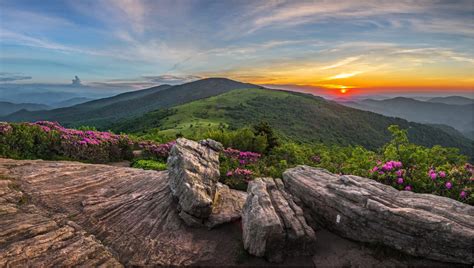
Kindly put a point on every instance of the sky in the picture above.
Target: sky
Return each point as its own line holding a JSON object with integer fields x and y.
{"x": 324, "y": 47}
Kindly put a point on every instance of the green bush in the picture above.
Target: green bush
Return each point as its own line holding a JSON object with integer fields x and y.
{"x": 243, "y": 139}
{"x": 149, "y": 164}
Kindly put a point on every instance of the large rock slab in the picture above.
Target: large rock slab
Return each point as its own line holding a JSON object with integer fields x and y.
{"x": 74, "y": 214}
{"x": 31, "y": 237}
{"x": 364, "y": 210}
{"x": 193, "y": 175}
{"x": 273, "y": 225}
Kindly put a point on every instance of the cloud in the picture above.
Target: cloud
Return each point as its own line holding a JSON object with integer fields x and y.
{"x": 26, "y": 40}
{"x": 11, "y": 77}
{"x": 134, "y": 10}
{"x": 146, "y": 81}
{"x": 343, "y": 75}
{"x": 76, "y": 81}
{"x": 167, "y": 78}
{"x": 340, "y": 63}
{"x": 430, "y": 16}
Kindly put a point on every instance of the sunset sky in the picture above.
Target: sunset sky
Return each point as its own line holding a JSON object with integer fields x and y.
{"x": 363, "y": 47}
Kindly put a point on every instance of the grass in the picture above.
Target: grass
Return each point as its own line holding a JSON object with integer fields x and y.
{"x": 149, "y": 164}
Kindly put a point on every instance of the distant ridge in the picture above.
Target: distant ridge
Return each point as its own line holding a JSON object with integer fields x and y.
{"x": 460, "y": 117}
{"x": 9, "y": 107}
{"x": 71, "y": 102}
{"x": 103, "y": 112}
{"x": 453, "y": 100}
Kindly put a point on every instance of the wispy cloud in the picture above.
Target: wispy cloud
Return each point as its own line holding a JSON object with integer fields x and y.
{"x": 383, "y": 14}
{"x": 340, "y": 63}
{"x": 146, "y": 81}
{"x": 343, "y": 75}
{"x": 11, "y": 77}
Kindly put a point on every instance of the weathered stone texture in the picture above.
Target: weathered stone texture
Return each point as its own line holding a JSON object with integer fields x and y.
{"x": 273, "y": 225}
{"x": 193, "y": 175}
{"x": 364, "y": 210}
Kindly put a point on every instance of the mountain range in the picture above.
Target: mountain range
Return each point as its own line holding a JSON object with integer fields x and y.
{"x": 453, "y": 100}
{"x": 213, "y": 102}
{"x": 296, "y": 116}
{"x": 457, "y": 112}
{"x": 8, "y": 107}
{"x": 102, "y": 112}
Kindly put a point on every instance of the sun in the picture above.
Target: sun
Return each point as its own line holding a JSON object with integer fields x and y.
{"x": 343, "y": 90}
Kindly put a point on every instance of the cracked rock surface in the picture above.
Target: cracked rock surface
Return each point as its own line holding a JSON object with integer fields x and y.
{"x": 364, "y": 210}
{"x": 194, "y": 173}
{"x": 84, "y": 214}
{"x": 273, "y": 225}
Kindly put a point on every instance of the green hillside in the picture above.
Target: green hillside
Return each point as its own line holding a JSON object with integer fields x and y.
{"x": 296, "y": 116}
{"x": 101, "y": 113}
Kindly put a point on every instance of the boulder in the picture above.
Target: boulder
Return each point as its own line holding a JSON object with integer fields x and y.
{"x": 227, "y": 206}
{"x": 193, "y": 175}
{"x": 214, "y": 145}
{"x": 273, "y": 225}
{"x": 364, "y": 210}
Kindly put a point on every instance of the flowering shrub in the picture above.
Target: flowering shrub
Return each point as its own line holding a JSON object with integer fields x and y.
{"x": 154, "y": 150}
{"x": 50, "y": 140}
{"x": 391, "y": 173}
{"x": 454, "y": 182}
{"x": 5, "y": 128}
{"x": 244, "y": 158}
{"x": 238, "y": 167}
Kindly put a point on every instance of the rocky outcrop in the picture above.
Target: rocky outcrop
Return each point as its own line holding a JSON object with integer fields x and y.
{"x": 193, "y": 175}
{"x": 364, "y": 210}
{"x": 68, "y": 214}
{"x": 73, "y": 214}
{"x": 227, "y": 206}
{"x": 273, "y": 225}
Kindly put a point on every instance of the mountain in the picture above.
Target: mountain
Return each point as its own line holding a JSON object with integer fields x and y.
{"x": 295, "y": 116}
{"x": 460, "y": 117}
{"x": 8, "y": 107}
{"x": 453, "y": 100}
{"x": 71, "y": 102}
{"x": 103, "y": 112}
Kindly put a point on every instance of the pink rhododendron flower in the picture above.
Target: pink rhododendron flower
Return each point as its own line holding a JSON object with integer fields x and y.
{"x": 408, "y": 188}
{"x": 442, "y": 174}
{"x": 400, "y": 180}
{"x": 463, "y": 194}
{"x": 433, "y": 175}
{"x": 5, "y": 128}
{"x": 399, "y": 172}
{"x": 449, "y": 185}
